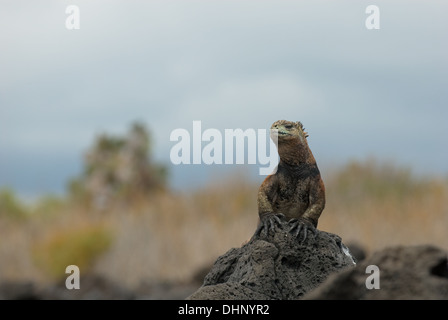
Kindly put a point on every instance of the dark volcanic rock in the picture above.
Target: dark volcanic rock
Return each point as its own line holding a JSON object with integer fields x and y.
{"x": 277, "y": 266}
{"x": 405, "y": 272}
{"x": 165, "y": 290}
{"x": 21, "y": 290}
{"x": 93, "y": 287}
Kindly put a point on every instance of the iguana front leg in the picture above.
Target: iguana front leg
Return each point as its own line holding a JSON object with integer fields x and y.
{"x": 267, "y": 195}
{"x": 308, "y": 221}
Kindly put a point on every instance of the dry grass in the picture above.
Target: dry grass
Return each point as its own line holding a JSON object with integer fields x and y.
{"x": 379, "y": 205}
{"x": 170, "y": 235}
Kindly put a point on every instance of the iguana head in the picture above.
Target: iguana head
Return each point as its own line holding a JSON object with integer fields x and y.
{"x": 284, "y": 130}
{"x": 290, "y": 138}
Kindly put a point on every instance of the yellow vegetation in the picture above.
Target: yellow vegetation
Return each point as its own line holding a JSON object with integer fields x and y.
{"x": 79, "y": 246}
{"x": 169, "y": 235}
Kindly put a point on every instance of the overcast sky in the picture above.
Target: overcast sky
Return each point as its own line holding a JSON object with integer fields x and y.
{"x": 230, "y": 64}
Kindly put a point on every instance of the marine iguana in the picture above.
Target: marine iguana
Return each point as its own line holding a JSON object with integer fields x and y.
{"x": 295, "y": 192}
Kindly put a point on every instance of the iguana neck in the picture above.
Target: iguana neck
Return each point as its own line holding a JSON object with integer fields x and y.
{"x": 295, "y": 152}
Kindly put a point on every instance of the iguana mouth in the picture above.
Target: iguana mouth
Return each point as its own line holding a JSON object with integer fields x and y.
{"x": 280, "y": 133}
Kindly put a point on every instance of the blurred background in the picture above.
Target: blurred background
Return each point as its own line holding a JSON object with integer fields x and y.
{"x": 86, "y": 117}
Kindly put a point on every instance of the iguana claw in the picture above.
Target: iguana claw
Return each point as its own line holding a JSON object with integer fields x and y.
{"x": 301, "y": 226}
{"x": 268, "y": 223}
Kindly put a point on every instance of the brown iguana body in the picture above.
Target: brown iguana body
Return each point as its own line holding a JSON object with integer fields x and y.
{"x": 296, "y": 191}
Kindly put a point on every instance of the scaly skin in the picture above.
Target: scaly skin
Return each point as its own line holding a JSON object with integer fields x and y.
{"x": 296, "y": 191}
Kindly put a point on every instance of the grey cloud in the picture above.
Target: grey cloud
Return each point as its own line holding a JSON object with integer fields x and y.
{"x": 230, "y": 64}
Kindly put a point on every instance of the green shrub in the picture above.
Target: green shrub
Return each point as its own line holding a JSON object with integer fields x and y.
{"x": 118, "y": 168}
{"x": 10, "y": 206}
{"x": 79, "y": 246}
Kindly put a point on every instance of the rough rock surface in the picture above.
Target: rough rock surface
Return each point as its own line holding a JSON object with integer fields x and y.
{"x": 93, "y": 287}
{"x": 405, "y": 272}
{"x": 276, "y": 266}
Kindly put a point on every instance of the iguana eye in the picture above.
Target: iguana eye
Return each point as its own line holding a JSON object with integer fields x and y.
{"x": 288, "y": 126}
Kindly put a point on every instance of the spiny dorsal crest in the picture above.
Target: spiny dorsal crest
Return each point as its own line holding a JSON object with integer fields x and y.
{"x": 300, "y": 125}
